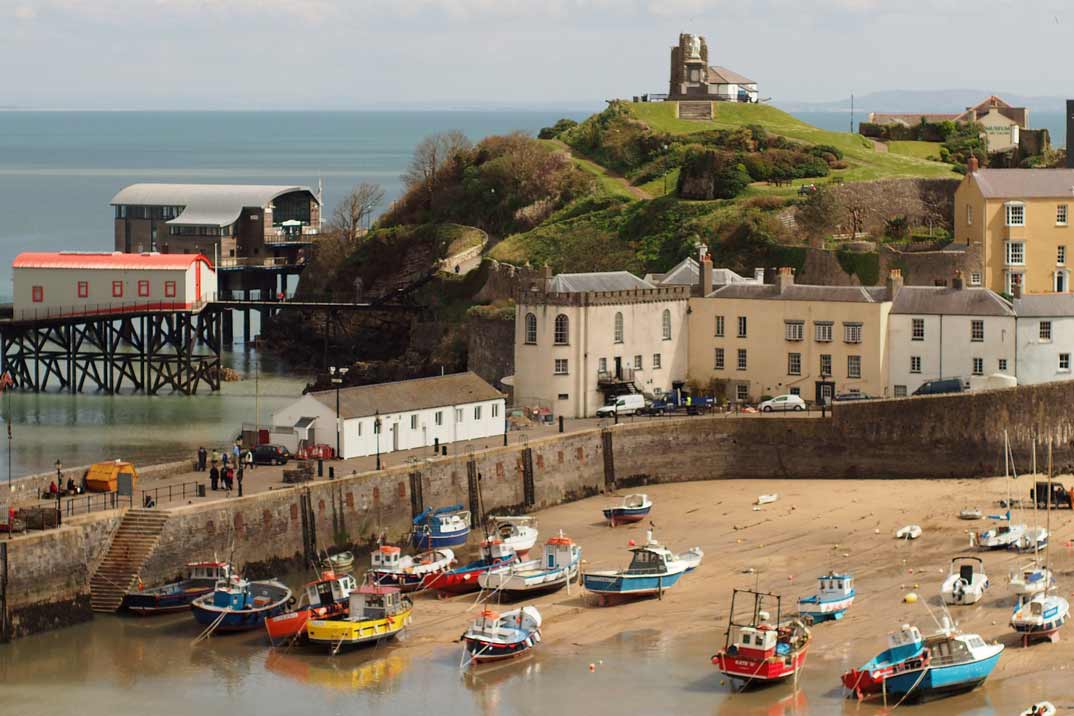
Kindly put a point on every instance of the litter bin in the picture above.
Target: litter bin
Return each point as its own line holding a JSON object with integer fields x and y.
{"x": 201, "y": 489}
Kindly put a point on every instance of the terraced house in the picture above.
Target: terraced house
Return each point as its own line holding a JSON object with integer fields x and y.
{"x": 1021, "y": 219}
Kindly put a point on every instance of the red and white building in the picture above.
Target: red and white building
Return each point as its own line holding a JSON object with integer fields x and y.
{"x": 58, "y": 285}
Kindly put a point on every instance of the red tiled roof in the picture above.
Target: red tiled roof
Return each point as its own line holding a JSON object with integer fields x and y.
{"x": 109, "y": 260}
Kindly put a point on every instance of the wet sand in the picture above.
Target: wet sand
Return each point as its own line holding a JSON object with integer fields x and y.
{"x": 816, "y": 525}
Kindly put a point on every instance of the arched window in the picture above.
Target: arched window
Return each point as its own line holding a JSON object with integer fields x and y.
{"x": 562, "y": 332}
{"x": 531, "y": 328}
{"x": 618, "y": 327}
{"x": 667, "y": 324}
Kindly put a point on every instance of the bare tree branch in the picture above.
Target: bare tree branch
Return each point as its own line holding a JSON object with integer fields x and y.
{"x": 357, "y": 206}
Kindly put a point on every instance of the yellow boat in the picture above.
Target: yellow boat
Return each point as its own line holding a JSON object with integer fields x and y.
{"x": 376, "y": 613}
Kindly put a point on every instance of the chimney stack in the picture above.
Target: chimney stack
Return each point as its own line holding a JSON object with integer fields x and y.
{"x": 705, "y": 275}
{"x": 784, "y": 278}
{"x": 1016, "y": 289}
{"x": 972, "y": 165}
{"x": 956, "y": 282}
{"x": 894, "y": 283}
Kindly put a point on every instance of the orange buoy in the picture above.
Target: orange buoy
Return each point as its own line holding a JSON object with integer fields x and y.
{"x": 631, "y": 543}
{"x": 592, "y": 667}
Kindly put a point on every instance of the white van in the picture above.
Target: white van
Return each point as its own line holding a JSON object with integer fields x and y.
{"x": 624, "y": 405}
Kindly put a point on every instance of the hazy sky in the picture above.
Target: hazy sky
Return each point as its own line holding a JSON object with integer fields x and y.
{"x": 207, "y": 54}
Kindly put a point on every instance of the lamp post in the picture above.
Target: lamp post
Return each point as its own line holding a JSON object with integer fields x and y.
{"x": 337, "y": 380}
{"x": 824, "y": 376}
{"x": 376, "y": 431}
{"x": 59, "y": 474}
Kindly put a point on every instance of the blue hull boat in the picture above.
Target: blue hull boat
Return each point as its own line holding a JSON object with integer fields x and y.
{"x": 634, "y": 508}
{"x": 834, "y": 596}
{"x": 238, "y": 605}
{"x": 443, "y": 527}
{"x": 652, "y": 569}
{"x": 177, "y": 596}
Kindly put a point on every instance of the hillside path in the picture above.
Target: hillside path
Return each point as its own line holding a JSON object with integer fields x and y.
{"x": 636, "y": 192}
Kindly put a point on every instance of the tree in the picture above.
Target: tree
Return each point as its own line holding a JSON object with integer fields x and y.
{"x": 356, "y": 207}
{"x": 430, "y": 156}
{"x": 819, "y": 214}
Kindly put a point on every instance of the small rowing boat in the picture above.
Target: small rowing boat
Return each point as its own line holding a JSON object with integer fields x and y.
{"x": 633, "y": 508}
{"x": 496, "y": 637}
{"x": 908, "y": 532}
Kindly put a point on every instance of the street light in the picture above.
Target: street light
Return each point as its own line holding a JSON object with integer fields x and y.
{"x": 376, "y": 431}
{"x": 337, "y": 379}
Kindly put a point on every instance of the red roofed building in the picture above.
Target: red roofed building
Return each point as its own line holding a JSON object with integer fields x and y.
{"x": 70, "y": 284}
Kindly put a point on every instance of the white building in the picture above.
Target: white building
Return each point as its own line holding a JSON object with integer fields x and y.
{"x": 411, "y": 413}
{"x": 1045, "y": 337}
{"x": 939, "y": 332}
{"x": 688, "y": 273}
{"x": 84, "y": 284}
{"x": 581, "y": 339}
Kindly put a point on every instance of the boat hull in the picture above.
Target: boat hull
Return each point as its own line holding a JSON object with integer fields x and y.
{"x": 436, "y": 540}
{"x": 626, "y": 515}
{"x": 518, "y": 584}
{"x": 168, "y": 599}
{"x": 339, "y": 633}
{"x": 940, "y": 681}
{"x": 291, "y": 624}
{"x": 406, "y": 582}
{"x": 629, "y": 585}
{"x": 757, "y": 672}
{"x": 227, "y": 619}
{"x": 821, "y": 610}
{"x": 461, "y": 580}
{"x": 483, "y": 652}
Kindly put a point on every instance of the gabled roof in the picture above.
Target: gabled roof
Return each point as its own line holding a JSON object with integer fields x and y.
{"x": 1044, "y": 305}
{"x": 407, "y": 395}
{"x": 688, "y": 273}
{"x": 205, "y": 204}
{"x": 1025, "y": 183}
{"x": 599, "y": 281}
{"x": 106, "y": 260}
{"x": 803, "y": 292}
{"x": 941, "y": 300}
{"x": 722, "y": 75}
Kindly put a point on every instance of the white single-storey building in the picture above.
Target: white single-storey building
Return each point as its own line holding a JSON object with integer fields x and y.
{"x": 1045, "y": 337}
{"x": 411, "y": 414}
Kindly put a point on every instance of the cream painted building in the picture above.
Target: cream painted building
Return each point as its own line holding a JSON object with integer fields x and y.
{"x": 581, "y": 339}
{"x": 788, "y": 338}
{"x": 935, "y": 332}
{"x": 1021, "y": 217}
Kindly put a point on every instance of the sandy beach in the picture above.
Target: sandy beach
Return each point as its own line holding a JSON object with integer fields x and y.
{"x": 816, "y": 525}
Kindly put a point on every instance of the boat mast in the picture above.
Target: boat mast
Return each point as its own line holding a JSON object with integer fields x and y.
{"x": 1036, "y": 520}
{"x": 1048, "y": 506}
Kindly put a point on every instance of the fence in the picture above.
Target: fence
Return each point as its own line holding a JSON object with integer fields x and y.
{"x": 167, "y": 493}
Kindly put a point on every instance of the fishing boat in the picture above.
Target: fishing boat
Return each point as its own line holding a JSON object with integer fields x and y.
{"x": 517, "y": 532}
{"x": 200, "y": 579}
{"x": 324, "y": 598}
{"x": 442, "y": 527}
{"x": 496, "y": 637}
{"x": 914, "y": 668}
{"x": 390, "y": 567}
{"x": 633, "y": 508}
{"x": 560, "y": 563}
{"x": 375, "y": 613}
{"x": 463, "y": 579}
{"x": 966, "y": 581}
{"x": 908, "y": 532}
{"x": 760, "y": 651}
{"x": 1031, "y": 579}
{"x": 236, "y": 604}
{"x": 653, "y": 568}
{"x": 835, "y": 594}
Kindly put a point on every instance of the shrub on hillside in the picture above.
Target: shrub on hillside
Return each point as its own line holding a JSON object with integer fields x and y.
{"x": 556, "y": 129}
{"x": 765, "y": 203}
{"x": 711, "y": 174}
{"x": 823, "y": 149}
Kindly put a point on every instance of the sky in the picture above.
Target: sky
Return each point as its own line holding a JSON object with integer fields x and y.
{"x": 353, "y": 54}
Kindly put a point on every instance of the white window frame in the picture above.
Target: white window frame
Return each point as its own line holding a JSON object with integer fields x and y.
{"x": 438, "y": 418}
{"x": 1066, "y": 280}
{"x": 915, "y": 364}
{"x": 530, "y": 329}
{"x": 852, "y": 332}
{"x": 1009, "y": 281}
{"x": 826, "y": 364}
{"x": 414, "y": 421}
{"x": 477, "y": 412}
{"x": 665, "y": 321}
{"x": 1061, "y": 255}
{"x": 495, "y": 410}
{"x": 1044, "y": 332}
{"x": 854, "y": 367}
{"x": 1001, "y": 366}
{"x": 560, "y": 367}
{"x": 977, "y": 366}
{"x": 742, "y": 392}
{"x": 1012, "y": 256}
{"x": 618, "y": 337}
{"x": 743, "y": 326}
{"x": 976, "y": 331}
{"x": 969, "y": 214}
{"x": 975, "y": 278}
{"x": 822, "y": 331}
{"x": 719, "y": 326}
{"x": 637, "y": 362}
{"x": 915, "y": 324}
{"x": 458, "y": 415}
{"x": 561, "y": 330}
{"x": 602, "y": 365}
{"x": 718, "y": 359}
{"x": 1061, "y": 214}
{"x": 656, "y": 361}
{"x": 794, "y": 364}
{"x": 742, "y": 359}
{"x": 1064, "y": 362}
{"x": 794, "y": 330}
{"x": 1014, "y": 213}
{"x": 900, "y": 391}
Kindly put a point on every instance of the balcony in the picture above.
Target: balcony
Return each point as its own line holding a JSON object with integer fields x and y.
{"x": 624, "y": 374}
{"x": 291, "y": 235}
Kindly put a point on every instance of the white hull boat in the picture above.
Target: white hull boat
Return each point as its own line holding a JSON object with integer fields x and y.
{"x": 1001, "y": 537}
{"x": 691, "y": 557}
{"x": 908, "y": 532}
{"x": 1041, "y": 617}
{"x": 1031, "y": 579}
{"x": 561, "y": 561}
{"x": 518, "y": 533}
{"x": 966, "y": 581}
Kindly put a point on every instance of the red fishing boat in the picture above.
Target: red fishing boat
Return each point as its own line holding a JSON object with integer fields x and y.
{"x": 461, "y": 580}
{"x": 758, "y": 650}
{"x": 325, "y": 598}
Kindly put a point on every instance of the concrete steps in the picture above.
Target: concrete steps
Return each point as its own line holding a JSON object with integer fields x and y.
{"x": 132, "y": 543}
{"x": 695, "y": 110}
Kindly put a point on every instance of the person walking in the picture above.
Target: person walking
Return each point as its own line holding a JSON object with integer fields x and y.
{"x": 240, "y": 476}
{"x": 248, "y": 458}
{"x": 203, "y": 456}
{"x": 236, "y": 453}
{"x": 229, "y": 478}
{"x": 214, "y": 476}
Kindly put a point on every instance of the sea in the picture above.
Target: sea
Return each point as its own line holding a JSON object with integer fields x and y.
{"x": 59, "y": 171}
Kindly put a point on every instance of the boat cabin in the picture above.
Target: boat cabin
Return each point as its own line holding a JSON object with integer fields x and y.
{"x": 373, "y": 601}
{"x": 494, "y": 550}
{"x": 648, "y": 561}
{"x": 213, "y": 571}
{"x": 330, "y": 589}
{"x": 387, "y": 558}
{"x": 833, "y": 586}
{"x": 558, "y": 552}
{"x": 904, "y": 643}
{"x": 233, "y": 593}
{"x": 944, "y": 649}
{"x": 754, "y": 642}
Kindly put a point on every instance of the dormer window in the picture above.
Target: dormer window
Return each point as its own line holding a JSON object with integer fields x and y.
{"x": 1016, "y": 213}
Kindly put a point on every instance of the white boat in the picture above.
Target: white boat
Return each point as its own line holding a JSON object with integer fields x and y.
{"x": 1031, "y": 579}
{"x": 497, "y": 637}
{"x": 1001, "y": 536}
{"x": 1033, "y": 539}
{"x": 970, "y": 513}
{"x": 1044, "y": 708}
{"x": 390, "y": 567}
{"x": 767, "y": 499}
{"x": 966, "y": 581}
{"x": 560, "y": 563}
{"x": 517, "y": 532}
{"x": 691, "y": 558}
{"x": 908, "y": 532}
{"x": 1041, "y": 617}
{"x": 835, "y": 594}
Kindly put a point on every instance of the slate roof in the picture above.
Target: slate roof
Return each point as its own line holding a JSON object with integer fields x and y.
{"x": 599, "y": 281}
{"x": 722, "y": 75}
{"x": 796, "y": 292}
{"x": 688, "y": 273}
{"x": 407, "y": 395}
{"x": 1044, "y": 305}
{"x": 1025, "y": 183}
{"x": 941, "y": 300}
{"x": 204, "y": 204}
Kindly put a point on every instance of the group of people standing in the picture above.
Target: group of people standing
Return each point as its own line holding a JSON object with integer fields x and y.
{"x": 226, "y": 467}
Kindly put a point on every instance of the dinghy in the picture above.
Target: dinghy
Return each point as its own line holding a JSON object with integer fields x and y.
{"x": 757, "y": 650}
{"x": 834, "y": 596}
{"x": 390, "y": 567}
{"x": 970, "y": 513}
{"x": 374, "y": 614}
{"x": 966, "y": 581}
{"x": 766, "y": 499}
{"x": 496, "y": 637}
{"x": 201, "y": 578}
{"x": 325, "y": 598}
{"x": 238, "y": 605}
{"x": 519, "y": 533}
{"x": 340, "y": 562}
{"x": 1044, "y": 708}
{"x": 559, "y": 565}
{"x": 908, "y": 532}
{"x": 633, "y": 508}
{"x": 691, "y": 558}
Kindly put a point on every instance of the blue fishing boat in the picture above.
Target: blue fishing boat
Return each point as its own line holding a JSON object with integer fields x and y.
{"x": 201, "y": 578}
{"x": 653, "y": 569}
{"x": 834, "y": 596}
{"x": 918, "y": 669}
{"x": 442, "y": 527}
{"x": 633, "y": 508}
{"x": 238, "y": 605}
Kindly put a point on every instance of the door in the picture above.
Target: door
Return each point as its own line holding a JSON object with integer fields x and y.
{"x": 825, "y": 390}
{"x": 1060, "y": 281}
{"x": 197, "y": 281}
{"x": 395, "y": 436}
{"x": 618, "y": 368}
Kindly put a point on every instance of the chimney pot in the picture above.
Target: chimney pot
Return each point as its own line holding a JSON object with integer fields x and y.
{"x": 972, "y": 165}
{"x": 784, "y": 278}
{"x": 895, "y": 283}
{"x": 705, "y": 274}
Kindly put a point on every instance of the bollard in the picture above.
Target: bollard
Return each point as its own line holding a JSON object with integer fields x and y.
{"x": 443, "y": 450}
{"x": 331, "y": 472}
{"x": 320, "y": 467}
{"x": 436, "y": 446}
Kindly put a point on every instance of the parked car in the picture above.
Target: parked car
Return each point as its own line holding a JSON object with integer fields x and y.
{"x": 1061, "y": 496}
{"x": 847, "y": 397}
{"x": 623, "y": 405}
{"x": 938, "y": 387}
{"x": 271, "y": 455}
{"x": 783, "y": 402}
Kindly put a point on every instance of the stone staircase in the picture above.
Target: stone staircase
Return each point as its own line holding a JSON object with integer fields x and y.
{"x": 695, "y": 110}
{"x": 131, "y": 546}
